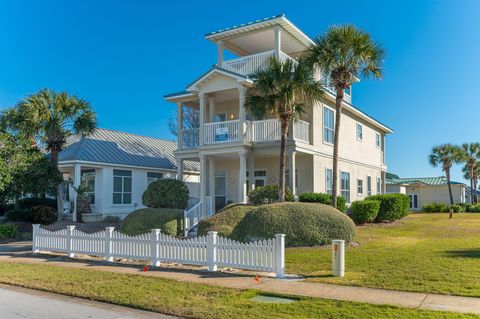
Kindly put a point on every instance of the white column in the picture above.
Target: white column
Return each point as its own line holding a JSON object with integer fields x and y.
{"x": 179, "y": 125}
{"x": 154, "y": 249}
{"x": 202, "y": 119}
{"x": 242, "y": 178}
{"x": 212, "y": 239}
{"x": 241, "y": 110}
{"x": 203, "y": 182}
{"x": 211, "y": 108}
{"x": 278, "y": 41}
{"x": 70, "y": 251}
{"x": 291, "y": 168}
{"x": 211, "y": 178}
{"x": 180, "y": 169}
{"x": 280, "y": 255}
{"x": 77, "y": 179}
{"x": 36, "y": 229}
{"x": 219, "y": 53}
{"x": 109, "y": 243}
{"x": 251, "y": 172}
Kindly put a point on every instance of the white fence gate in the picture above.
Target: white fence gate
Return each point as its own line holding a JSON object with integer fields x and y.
{"x": 211, "y": 250}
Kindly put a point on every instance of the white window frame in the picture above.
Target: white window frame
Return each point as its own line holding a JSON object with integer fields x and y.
{"x": 85, "y": 175}
{"x": 123, "y": 192}
{"x": 378, "y": 140}
{"x": 359, "y": 187}
{"x": 257, "y": 177}
{"x": 369, "y": 185}
{"x": 344, "y": 190}
{"x": 359, "y": 133}
{"x": 324, "y": 127}
{"x": 379, "y": 185}
{"x": 328, "y": 188}
{"x": 154, "y": 179}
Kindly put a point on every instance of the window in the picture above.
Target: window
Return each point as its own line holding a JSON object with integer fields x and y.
{"x": 220, "y": 189}
{"x": 345, "y": 186}
{"x": 360, "y": 186}
{"x": 369, "y": 185}
{"x": 359, "y": 131}
{"x": 88, "y": 181}
{"x": 287, "y": 178}
{"x": 328, "y": 180}
{"x": 153, "y": 177}
{"x": 220, "y": 117}
{"x": 328, "y": 124}
{"x": 378, "y": 142}
{"x": 413, "y": 201}
{"x": 259, "y": 179}
{"x": 379, "y": 185}
{"x": 122, "y": 187}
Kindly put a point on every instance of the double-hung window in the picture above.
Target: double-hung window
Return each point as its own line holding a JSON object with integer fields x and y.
{"x": 328, "y": 180}
{"x": 345, "y": 186}
{"x": 379, "y": 185}
{"x": 369, "y": 185}
{"x": 360, "y": 187}
{"x": 328, "y": 125}
{"x": 153, "y": 177}
{"x": 359, "y": 131}
{"x": 122, "y": 187}
{"x": 378, "y": 141}
{"x": 88, "y": 182}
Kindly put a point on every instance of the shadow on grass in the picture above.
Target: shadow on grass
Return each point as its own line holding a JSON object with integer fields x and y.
{"x": 467, "y": 253}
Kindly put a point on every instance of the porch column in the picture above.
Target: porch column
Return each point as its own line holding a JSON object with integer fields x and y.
{"x": 291, "y": 169}
{"x": 211, "y": 178}
{"x": 203, "y": 182}
{"x": 211, "y": 108}
{"x": 241, "y": 111}
{"x": 278, "y": 41}
{"x": 180, "y": 169}
{"x": 220, "y": 53}
{"x": 202, "y": 119}
{"x": 242, "y": 179}
{"x": 179, "y": 125}
{"x": 251, "y": 172}
{"x": 77, "y": 179}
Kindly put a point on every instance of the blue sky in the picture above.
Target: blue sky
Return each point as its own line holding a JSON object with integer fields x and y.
{"x": 123, "y": 56}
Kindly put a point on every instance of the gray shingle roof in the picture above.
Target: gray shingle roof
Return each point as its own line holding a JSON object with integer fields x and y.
{"x": 114, "y": 147}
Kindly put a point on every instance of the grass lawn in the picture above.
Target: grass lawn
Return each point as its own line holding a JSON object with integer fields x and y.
{"x": 422, "y": 252}
{"x": 190, "y": 300}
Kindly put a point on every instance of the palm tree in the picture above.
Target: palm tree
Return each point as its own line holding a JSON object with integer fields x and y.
{"x": 283, "y": 89}
{"x": 50, "y": 117}
{"x": 445, "y": 156}
{"x": 344, "y": 54}
{"x": 470, "y": 155}
{"x": 473, "y": 176}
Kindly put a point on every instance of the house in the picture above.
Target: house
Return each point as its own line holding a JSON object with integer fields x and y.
{"x": 116, "y": 168}
{"x": 237, "y": 152}
{"x": 428, "y": 190}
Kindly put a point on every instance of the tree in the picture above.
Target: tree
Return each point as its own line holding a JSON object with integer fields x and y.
{"x": 191, "y": 120}
{"x": 470, "y": 155}
{"x": 445, "y": 156}
{"x": 50, "y": 117}
{"x": 284, "y": 90}
{"x": 474, "y": 176}
{"x": 343, "y": 55}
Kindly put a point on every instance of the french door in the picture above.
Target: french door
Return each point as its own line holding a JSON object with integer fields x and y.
{"x": 413, "y": 201}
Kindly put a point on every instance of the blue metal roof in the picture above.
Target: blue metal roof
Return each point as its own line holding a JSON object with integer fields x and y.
{"x": 245, "y": 24}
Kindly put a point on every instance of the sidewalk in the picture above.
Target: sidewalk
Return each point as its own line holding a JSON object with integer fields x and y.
{"x": 20, "y": 253}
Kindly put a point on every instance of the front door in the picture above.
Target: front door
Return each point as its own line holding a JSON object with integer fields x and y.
{"x": 413, "y": 201}
{"x": 220, "y": 189}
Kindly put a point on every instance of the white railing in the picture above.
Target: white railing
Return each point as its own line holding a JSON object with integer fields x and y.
{"x": 193, "y": 215}
{"x": 301, "y": 130}
{"x": 270, "y": 130}
{"x": 190, "y": 138}
{"x": 330, "y": 88}
{"x": 211, "y": 250}
{"x": 250, "y": 64}
{"x": 222, "y": 132}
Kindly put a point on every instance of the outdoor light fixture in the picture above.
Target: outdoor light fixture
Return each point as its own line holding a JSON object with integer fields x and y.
{"x": 232, "y": 116}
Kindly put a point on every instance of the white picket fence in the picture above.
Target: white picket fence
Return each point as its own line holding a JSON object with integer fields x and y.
{"x": 212, "y": 250}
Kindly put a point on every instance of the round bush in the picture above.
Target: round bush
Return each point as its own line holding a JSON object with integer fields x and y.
{"x": 42, "y": 214}
{"x": 392, "y": 206}
{"x": 166, "y": 193}
{"x": 268, "y": 194}
{"x": 364, "y": 211}
{"x": 224, "y": 221}
{"x": 169, "y": 221}
{"x": 304, "y": 224}
{"x": 323, "y": 199}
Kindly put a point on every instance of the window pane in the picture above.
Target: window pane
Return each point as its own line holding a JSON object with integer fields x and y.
{"x": 117, "y": 184}
{"x": 117, "y": 198}
{"x": 127, "y": 185}
{"x": 118, "y": 172}
{"x": 154, "y": 175}
{"x": 127, "y": 198}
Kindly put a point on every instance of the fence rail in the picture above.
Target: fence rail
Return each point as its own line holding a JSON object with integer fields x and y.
{"x": 211, "y": 250}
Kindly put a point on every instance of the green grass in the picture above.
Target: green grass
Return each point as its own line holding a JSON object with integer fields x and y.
{"x": 422, "y": 252}
{"x": 188, "y": 299}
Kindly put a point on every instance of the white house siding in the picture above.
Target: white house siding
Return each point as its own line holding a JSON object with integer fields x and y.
{"x": 428, "y": 194}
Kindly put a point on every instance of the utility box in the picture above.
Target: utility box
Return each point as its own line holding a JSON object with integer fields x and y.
{"x": 338, "y": 258}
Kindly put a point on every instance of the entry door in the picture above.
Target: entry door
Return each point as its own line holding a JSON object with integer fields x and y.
{"x": 220, "y": 189}
{"x": 413, "y": 201}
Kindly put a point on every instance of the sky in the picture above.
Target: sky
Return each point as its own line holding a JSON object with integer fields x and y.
{"x": 124, "y": 56}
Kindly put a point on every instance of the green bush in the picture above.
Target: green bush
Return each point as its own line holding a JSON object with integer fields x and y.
{"x": 323, "y": 199}
{"x": 43, "y": 215}
{"x": 169, "y": 221}
{"x": 225, "y": 220}
{"x": 475, "y": 208}
{"x": 18, "y": 215}
{"x": 456, "y": 208}
{"x": 8, "y": 231}
{"x": 435, "y": 208}
{"x": 392, "y": 206}
{"x": 30, "y": 202}
{"x": 467, "y": 206}
{"x": 268, "y": 194}
{"x": 166, "y": 193}
{"x": 304, "y": 224}
{"x": 365, "y": 211}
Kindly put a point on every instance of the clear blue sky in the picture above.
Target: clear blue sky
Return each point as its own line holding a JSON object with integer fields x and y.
{"x": 123, "y": 56}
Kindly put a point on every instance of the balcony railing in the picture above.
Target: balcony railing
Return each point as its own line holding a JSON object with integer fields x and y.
{"x": 250, "y": 64}
{"x": 221, "y": 132}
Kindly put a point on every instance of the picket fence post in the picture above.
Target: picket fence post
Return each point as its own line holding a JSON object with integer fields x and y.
{"x": 280, "y": 255}
{"x": 70, "y": 251}
{"x": 154, "y": 244}
{"x": 212, "y": 240}
{"x": 109, "y": 243}
{"x": 36, "y": 228}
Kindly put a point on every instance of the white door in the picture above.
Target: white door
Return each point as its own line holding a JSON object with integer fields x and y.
{"x": 413, "y": 201}
{"x": 220, "y": 189}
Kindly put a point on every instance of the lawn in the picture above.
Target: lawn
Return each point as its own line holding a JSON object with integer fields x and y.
{"x": 422, "y": 252}
{"x": 188, "y": 299}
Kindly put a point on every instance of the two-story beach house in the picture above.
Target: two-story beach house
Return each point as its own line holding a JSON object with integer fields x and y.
{"x": 237, "y": 152}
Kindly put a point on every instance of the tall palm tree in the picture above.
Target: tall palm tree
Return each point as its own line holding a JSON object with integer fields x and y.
{"x": 50, "y": 117}
{"x": 470, "y": 155}
{"x": 344, "y": 54}
{"x": 283, "y": 89}
{"x": 445, "y": 156}
{"x": 474, "y": 176}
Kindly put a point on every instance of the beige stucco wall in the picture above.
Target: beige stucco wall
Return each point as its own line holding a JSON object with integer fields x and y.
{"x": 437, "y": 194}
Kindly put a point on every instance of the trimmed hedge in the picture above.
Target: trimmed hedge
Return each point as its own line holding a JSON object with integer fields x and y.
{"x": 43, "y": 215}
{"x": 224, "y": 221}
{"x": 166, "y": 193}
{"x": 392, "y": 206}
{"x": 268, "y": 194}
{"x": 475, "y": 208}
{"x": 169, "y": 221}
{"x": 435, "y": 208}
{"x": 322, "y": 198}
{"x": 304, "y": 224}
{"x": 365, "y": 211}
{"x": 456, "y": 208}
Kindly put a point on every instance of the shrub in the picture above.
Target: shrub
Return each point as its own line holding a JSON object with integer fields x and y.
{"x": 365, "y": 211}
{"x": 30, "y": 202}
{"x": 225, "y": 220}
{"x": 5, "y": 207}
{"x": 392, "y": 206}
{"x": 43, "y": 215}
{"x": 18, "y": 215}
{"x": 169, "y": 221}
{"x": 456, "y": 208}
{"x": 268, "y": 194}
{"x": 467, "y": 206}
{"x": 166, "y": 193}
{"x": 323, "y": 199}
{"x": 304, "y": 224}
{"x": 475, "y": 208}
{"x": 435, "y": 208}
{"x": 8, "y": 231}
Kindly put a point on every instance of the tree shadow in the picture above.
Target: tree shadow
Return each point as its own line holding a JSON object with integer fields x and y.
{"x": 467, "y": 253}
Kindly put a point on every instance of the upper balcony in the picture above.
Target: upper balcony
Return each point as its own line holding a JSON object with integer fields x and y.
{"x": 250, "y": 64}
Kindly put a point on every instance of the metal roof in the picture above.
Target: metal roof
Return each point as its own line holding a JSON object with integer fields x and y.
{"x": 245, "y": 24}
{"x": 114, "y": 147}
{"x": 441, "y": 180}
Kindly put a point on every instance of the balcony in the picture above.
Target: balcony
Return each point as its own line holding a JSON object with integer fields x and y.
{"x": 250, "y": 64}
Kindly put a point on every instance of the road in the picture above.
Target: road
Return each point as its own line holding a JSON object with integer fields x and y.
{"x": 20, "y": 303}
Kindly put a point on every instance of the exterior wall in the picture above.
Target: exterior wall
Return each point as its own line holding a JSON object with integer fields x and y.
{"x": 396, "y": 189}
{"x": 437, "y": 194}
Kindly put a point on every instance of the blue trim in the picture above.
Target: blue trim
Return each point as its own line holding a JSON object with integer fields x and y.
{"x": 245, "y": 24}
{"x": 176, "y": 94}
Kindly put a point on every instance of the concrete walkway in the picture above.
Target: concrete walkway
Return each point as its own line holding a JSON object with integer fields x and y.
{"x": 20, "y": 253}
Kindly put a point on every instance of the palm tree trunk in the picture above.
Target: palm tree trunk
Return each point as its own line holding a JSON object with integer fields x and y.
{"x": 336, "y": 138}
{"x": 447, "y": 172}
{"x": 472, "y": 189}
{"x": 283, "y": 142}
{"x": 54, "y": 160}
{"x": 475, "y": 185}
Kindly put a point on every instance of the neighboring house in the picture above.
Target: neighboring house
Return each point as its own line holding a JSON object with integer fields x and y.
{"x": 237, "y": 152}
{"x": 428, "y": 190}
{"x": 116, "y": 168}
